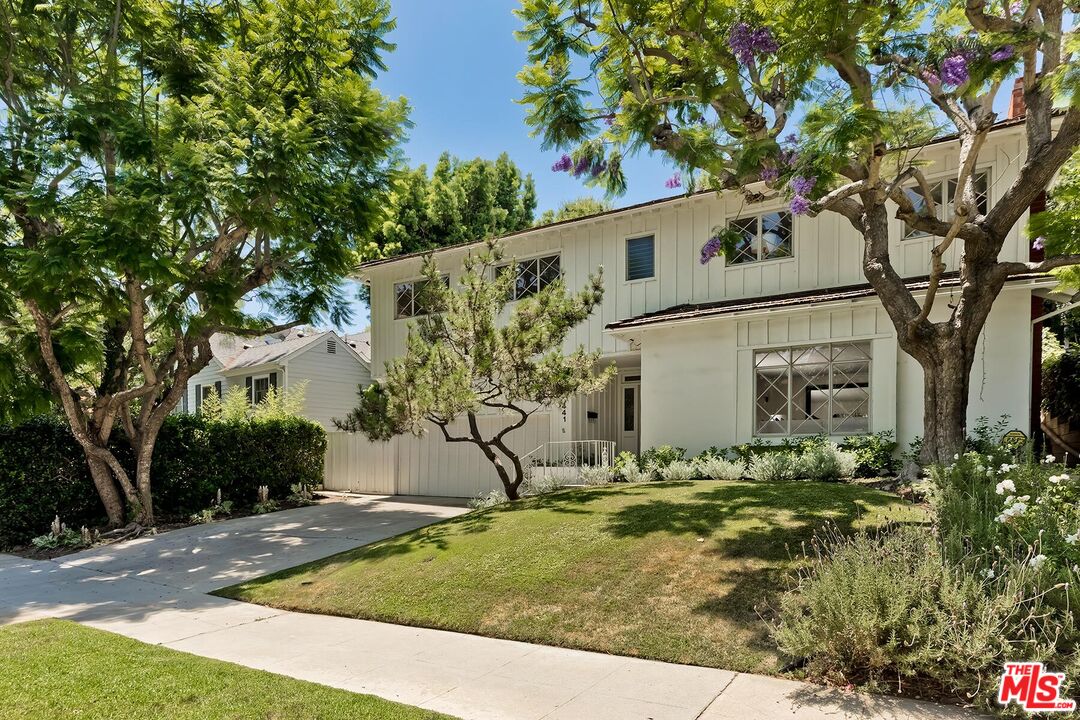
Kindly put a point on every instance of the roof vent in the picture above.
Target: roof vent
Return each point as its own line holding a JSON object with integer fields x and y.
{"x": 299, "y": 333}
{"x": 331, "y": 346}
{"x": 246, "y": 346}
{"x": 352, "y": 344}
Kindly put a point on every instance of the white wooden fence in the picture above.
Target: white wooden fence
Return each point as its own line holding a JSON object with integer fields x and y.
{"x": 428, "y": 465}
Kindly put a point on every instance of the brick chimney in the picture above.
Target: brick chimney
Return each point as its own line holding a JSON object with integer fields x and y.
{"x": 1016, "y": 105}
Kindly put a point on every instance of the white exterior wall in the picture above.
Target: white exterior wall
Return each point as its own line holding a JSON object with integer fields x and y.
{"x": 827, "y": 254}
{"x": 699, "y": 376}
{"x": 332, "y": 380}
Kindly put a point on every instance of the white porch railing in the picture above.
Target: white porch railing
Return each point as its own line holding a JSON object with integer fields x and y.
{"x": 563, "y": 459}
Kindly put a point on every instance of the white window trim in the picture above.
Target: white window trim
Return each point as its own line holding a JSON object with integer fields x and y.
{"x": 655, "y": 251}
{"x": 251, "y": 390}
{"x": 411, "y": 281}
{"x": 868, "y": 340}
{"x": 944, "y": 178}
{"x": 763, "y": 260}
{"x": 543, "y": 255}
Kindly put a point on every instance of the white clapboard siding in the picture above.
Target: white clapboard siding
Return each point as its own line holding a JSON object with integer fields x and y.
{"x": 427, "y": 465}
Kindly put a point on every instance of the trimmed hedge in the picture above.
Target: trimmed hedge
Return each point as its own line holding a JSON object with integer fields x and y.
{"x": 43, "y": 472}
{"x": 1061, "y": 387}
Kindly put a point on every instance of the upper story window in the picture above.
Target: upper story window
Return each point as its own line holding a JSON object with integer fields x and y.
{"x": 411, "y": 299}
{"x": 943, "y": 191}
{"x": 533, "y": 275}
{"x": 641, "y": 257}
{"x": 762, "y": 237}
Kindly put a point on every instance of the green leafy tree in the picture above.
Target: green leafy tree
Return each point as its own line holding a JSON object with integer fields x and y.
{"x": 462, "y": 201}
{"x": 462, "y": 360}
{"x": 161, "y": 163}
{"x": 573, "y": 209}
{"x": 715, "y": 86}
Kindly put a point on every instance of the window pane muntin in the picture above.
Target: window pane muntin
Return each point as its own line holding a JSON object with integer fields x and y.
{"x": 641, "y": 257}
{"x": 776, "y": 235}
{"x": 812, "y": 390}
{"x": 943, "y": 193}
{"x": 746, "y": 249}
{"x": 409, "y": 298}
{"x": 533, "y": 275}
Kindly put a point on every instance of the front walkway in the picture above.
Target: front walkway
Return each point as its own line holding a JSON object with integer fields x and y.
{"x": 152, "y": 589}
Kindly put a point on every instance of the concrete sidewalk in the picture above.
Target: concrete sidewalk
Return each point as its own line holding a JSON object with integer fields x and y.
{"x": 153, "y": 590}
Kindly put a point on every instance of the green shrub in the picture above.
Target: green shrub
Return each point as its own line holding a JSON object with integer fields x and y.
{"x": 719, "y": 468}
{"x": 680, "y": 470}
{"x": 875, "y": 454}
{"x": 824, "y": 463}
{"x": 889, "y": 610}
{"x": 773, "y": 467}
{"x": 596, "y": 475}
{"x": 43, "y": 474}
{"x": 43, "y": 471}
{"x": 654, "y": 459}
{"x": 1061, "y": 386}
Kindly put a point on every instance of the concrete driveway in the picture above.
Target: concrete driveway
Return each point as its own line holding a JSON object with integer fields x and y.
{"x": 153, "y": 589}
{"x": 209, "y": 557}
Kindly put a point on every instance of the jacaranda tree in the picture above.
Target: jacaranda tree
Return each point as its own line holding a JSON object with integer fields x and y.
{"x": 719, "y": 86}
{"x": 166, "y": 166}
{"x": 468, "y": 356}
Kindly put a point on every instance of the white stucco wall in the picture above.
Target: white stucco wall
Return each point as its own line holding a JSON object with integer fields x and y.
{"x": 698, "y": 378}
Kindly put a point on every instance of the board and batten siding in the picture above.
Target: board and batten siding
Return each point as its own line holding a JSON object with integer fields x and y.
{"x": 426, "y": 465}
{"x": 827, "y": 254}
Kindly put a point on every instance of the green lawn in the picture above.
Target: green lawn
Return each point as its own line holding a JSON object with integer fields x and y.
{"x": 55, "y": 669}
{"x": 673, "y": 571}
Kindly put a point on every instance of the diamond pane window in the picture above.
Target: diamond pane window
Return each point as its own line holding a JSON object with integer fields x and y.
{"x": 533, "y": 275}
{"x": 411, "y": 298}
{"x": 762, "y": 237}
{"x": 944, "y": 194}
{"x": 812, "y": 390}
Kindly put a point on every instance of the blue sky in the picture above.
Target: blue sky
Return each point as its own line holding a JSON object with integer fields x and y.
{"x": 456, "y": 63}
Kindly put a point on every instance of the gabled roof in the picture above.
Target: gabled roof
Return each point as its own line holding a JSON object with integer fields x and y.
{"x": 696, "y": 311}
{"x": 235, "y": 352}
{"x": 361, "y": 343}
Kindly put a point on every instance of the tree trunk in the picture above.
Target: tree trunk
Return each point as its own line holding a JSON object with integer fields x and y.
{"x": 946, "y": 383}
{"x": 107, "y": 491}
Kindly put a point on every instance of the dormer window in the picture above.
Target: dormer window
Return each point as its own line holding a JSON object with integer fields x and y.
{"x": 943, "y": 191}
{"x": 762, "y": 237}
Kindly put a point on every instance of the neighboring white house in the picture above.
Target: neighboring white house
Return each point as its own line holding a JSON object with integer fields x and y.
{"x": 785, "y": 339}
{"x": 330, "y": 366}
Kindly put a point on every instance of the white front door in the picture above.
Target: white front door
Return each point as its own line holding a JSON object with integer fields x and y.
{"x": 631, "y": 414}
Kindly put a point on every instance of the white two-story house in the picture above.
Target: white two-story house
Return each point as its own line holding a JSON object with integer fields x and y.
{"x": 785, "y": 339}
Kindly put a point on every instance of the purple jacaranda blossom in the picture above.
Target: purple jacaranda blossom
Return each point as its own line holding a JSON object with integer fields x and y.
{"x": 1039, "y": 244}
{"x": 930, "y": 77}
{"x": 790, "y": 139}
{"x": 1003, "y": 53}
{"x": 597, "y": 167}
{"x": 741, "y": 41}
{"x": 609, "y": 120}
{"x": 763, "y": 41}
{"x": 954, "y": 70}
{"x": 769, "y": 173}
{"x": 745, "y": 42}
{"x": 582, "y": 166}
{"x": 562, "y": 164}
{"x": 789, "y": 157}
{"x": 711, "y": 249}
{"x": 800, "y": 205}
{"x": 674, "y": 181}
{"x": 802, "y": 185}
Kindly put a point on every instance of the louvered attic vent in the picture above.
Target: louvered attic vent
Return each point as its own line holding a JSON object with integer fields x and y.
{"x": 331, "y": 347}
